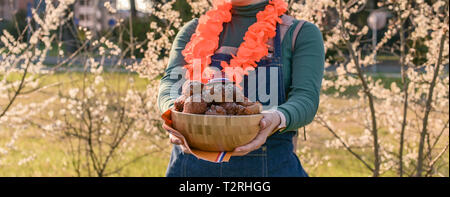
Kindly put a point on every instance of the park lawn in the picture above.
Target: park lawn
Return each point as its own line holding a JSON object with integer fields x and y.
{"x": 50, "y": 158}
{"x": 47, "y": 154}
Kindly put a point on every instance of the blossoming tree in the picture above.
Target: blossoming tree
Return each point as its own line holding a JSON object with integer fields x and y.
{"x": 398, "y": 128}
{"x": 414, "y": 111}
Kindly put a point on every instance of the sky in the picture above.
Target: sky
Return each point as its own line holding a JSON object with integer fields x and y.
{"x": 141, "y": 5}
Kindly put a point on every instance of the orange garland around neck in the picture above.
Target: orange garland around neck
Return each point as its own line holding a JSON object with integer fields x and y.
{"x": 205, "y": 41}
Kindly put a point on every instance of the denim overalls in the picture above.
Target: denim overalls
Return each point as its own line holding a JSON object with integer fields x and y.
{"x": 273, "y": 159}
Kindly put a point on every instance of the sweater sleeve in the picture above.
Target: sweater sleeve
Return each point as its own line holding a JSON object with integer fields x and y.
{"x": 176, "y": 61}
{"x": 307, "y": 72}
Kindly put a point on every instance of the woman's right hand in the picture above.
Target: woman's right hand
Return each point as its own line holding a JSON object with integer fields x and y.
{"x": 175, "y": 140}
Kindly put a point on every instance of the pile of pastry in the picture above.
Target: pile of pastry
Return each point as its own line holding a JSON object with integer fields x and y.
{"x": 214, "y": 99}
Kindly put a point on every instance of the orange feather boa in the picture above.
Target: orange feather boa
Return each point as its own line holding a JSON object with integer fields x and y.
{"x": 205, "y": 41}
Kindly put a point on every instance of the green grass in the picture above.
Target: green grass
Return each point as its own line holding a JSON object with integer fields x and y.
{"x": 52, "y": 159}
{"x": 353, "y": 90}
{"x": 387, "y": 58}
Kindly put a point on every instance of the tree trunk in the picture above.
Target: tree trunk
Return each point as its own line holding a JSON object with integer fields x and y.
{"x": 424, "y": 132}
{"x": 405, "y": 98}
{"x": 133, "y": 10}
{"x": 367, "y": 93}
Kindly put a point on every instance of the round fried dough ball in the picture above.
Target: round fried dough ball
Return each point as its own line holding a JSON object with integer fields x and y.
{"x": 195, "y": 105}
{"x": 240, "y": 110}
{"x": 207, "y": 94}
{"x": 230, "y": 108}
{"x": 221, "y": 92}
{"x": 246, "y": 102}
{"x": 216, "y": 110}
{"x": 179, "y": 103}
{"x": 214, "y": 93}
{"x": 256, "y": 108}
{"x": 232, "y": 93}
{"x": 192, "y": 87}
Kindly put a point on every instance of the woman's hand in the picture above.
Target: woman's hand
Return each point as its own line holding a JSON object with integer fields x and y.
{"x": 174, "y": 140}
{"x": 268, "y": 123}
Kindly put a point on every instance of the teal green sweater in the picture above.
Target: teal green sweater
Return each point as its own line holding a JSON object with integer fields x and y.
{"x": 302, "y": 69}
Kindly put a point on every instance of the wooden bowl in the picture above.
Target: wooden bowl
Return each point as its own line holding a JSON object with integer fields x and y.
{"x": 216, "y": 132}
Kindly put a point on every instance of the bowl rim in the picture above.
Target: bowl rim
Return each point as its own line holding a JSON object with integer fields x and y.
{"x": 205, "y": 115}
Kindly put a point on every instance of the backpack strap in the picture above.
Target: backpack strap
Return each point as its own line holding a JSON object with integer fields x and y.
{"x": 288, "y": 21}
{"x": 295, "y": 33}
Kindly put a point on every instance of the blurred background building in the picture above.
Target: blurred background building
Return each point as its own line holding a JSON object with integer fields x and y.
{"x": 8, "y": 8}
{"x": 93, "y": 15}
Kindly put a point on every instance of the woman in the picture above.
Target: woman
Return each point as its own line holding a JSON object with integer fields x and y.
{"x": 297, "y": 52}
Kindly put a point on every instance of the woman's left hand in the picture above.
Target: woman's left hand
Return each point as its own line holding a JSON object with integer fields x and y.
{"x": 268, "y": 123}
